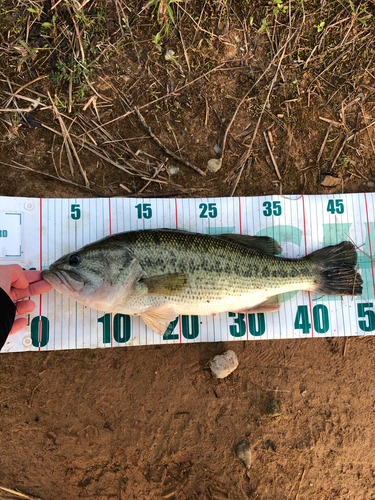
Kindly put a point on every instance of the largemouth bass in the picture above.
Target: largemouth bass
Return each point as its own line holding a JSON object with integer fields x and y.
{"x": 159, "y": 274}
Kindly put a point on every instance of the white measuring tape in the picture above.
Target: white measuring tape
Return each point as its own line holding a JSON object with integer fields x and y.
{"x": 36, "y": 232}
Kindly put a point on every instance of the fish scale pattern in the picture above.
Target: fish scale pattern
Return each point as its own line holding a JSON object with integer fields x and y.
{"x": 219, "y": 271}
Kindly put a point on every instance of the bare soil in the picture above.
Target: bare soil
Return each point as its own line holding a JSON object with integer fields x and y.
{"x": 152, "y": 422}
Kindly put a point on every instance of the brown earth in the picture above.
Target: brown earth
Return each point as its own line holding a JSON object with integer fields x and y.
{"x": 152, "y": 422}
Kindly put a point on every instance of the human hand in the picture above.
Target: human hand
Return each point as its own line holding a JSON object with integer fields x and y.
{"x": 19, "y": 284}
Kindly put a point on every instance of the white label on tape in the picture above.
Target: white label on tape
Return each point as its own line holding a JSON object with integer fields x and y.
{"x": 10, "y": 235}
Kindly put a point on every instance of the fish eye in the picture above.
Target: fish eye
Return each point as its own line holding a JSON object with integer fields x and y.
{"x": 74, "y": 260}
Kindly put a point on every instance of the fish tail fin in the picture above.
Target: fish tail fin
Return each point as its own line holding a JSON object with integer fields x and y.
{"x": 336, "y": 268}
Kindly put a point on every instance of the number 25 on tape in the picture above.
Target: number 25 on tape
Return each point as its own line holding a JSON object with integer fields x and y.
{"x": 208, "y": 210}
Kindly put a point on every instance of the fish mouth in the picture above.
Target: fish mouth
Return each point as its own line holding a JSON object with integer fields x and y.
{"x": 59, "y": 279}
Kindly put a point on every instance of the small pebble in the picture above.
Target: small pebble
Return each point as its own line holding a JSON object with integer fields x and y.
{"x": 169, "y": 55}
{"x": 370, "y": 184}
{"x": 305, "y": 444}
{"x": 329, "y": 181}
{"x": 172, "y": 170}
{"x": 243, "y": 453}
{"x": 266, "y": 445}
{"x": 213, "y": 165}
{"x": 217, "y": 149}
{"x": 273, "y": 408}
{"x": 224, "y": 364}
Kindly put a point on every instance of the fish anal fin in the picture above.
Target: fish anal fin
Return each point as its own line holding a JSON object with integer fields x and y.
{"x": 259, "y": 244}
{"x": 159, "y": 319}
{"x": 272, "y": 304}
{"x": 166, "y": 284}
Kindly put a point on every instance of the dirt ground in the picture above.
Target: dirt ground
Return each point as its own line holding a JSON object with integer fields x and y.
{"x": 152, "y": 423}
{"x": 282, "y": 94}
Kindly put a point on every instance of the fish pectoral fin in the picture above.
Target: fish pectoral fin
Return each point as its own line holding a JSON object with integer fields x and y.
{"x": 159, "y": 319}
{"x": 166, "y": 284}
{"x": 272, "y": 304}
{"x": 259, "y": 244}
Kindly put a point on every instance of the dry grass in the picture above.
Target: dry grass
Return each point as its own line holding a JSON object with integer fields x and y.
{"x": 255, "y": 67}
{"x": 9, "y": 494}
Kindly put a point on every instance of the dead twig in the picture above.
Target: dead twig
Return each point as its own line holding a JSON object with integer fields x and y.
{"x": 125, "y": 18}
{"x": 171, "y": 193}
{"x": 161, "y": 145}
{"x": 324, "y": 143}
{"x": 157, "y": 172}
{"x": 171, "y": 94}
{"x": 368, "y": 132}
{"x": 125, "y": 188}
{"x": 272, "y": 156}
{"x": 35, "y": 103}
{"x": 18, "y": 494}
{"x": 244, "y": 157}
{"x": 248, "y": 92}
{"x": 345, "y": 140}
{"x": 69, "y": 146}
{"x": 78, "y": 32}
{"x": 362, "y": 130}
{"x": 24, "y": 167}
{"x": 247, "y": 153}
{"x": 292, "y": 488}
{"x": 331, "y": 122}
{"x": 300, "y": 484}
{"x": 70, "y": 100}
{"x": 329, "y": 66}
{"x": 207, "y": 113}
{"x": 20, "y": 89}
{"x": 159, "y": 181}
{"x": 185, "y": 51}
{"x": 83, "y": 144}
{"x": 53, "y": 157}
{"x": 21, "y": 110}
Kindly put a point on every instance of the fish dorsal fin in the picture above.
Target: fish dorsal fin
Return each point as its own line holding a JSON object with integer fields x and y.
{"x": 166, "y": 284}
{"x": 159, "y": 319}
{"x": 272, "y": 304}
{"x": 259, "y": 244}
